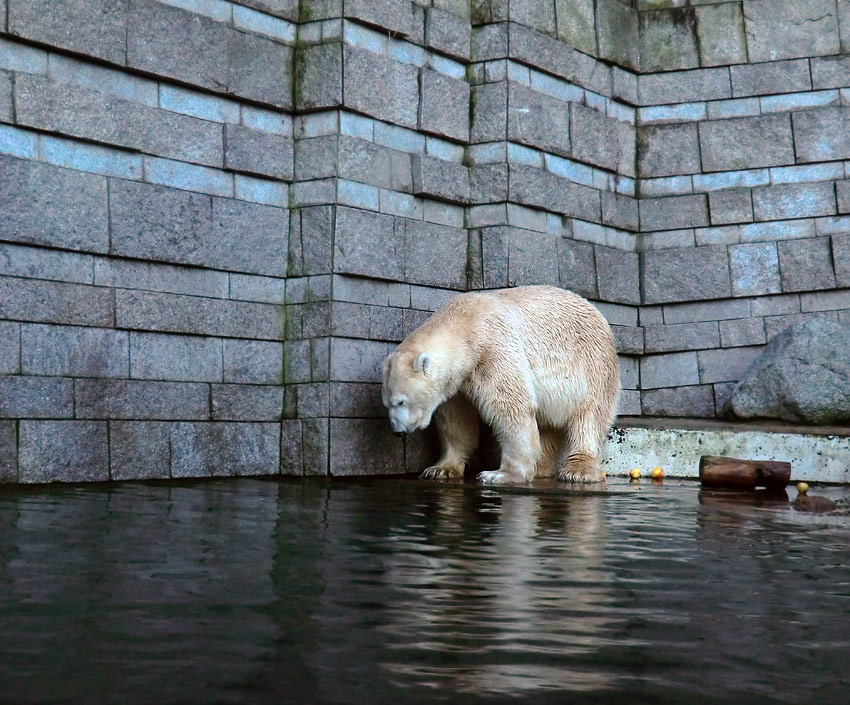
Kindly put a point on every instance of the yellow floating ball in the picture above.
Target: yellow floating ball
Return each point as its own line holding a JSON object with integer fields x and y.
{"x": 634, "y": 473}
{"x": 658, "y": 472}
{"x": 802, "y": 487}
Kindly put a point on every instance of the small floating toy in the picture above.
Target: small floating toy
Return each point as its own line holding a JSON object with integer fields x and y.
{"x": 657, "y": 473}
{"x": 802, "y": 487}
{"x": 634, "y": 473}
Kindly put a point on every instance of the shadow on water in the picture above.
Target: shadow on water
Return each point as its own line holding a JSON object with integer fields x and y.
{"x": 256, "y": 591}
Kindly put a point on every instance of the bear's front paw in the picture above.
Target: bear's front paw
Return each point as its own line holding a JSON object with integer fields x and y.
{"x": 498, "y": 477}
{"x": 441, "y": 472}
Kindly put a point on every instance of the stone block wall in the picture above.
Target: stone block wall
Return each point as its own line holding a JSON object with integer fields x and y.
{"x": 217, "y": 217}
{"x": 742, "y": 149}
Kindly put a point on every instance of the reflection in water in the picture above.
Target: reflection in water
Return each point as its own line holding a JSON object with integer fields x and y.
{"x": 396, "y": 591}
{"x": 494, "y": 592}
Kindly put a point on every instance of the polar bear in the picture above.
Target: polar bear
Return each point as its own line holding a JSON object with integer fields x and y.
{"x": 536, "y": 363}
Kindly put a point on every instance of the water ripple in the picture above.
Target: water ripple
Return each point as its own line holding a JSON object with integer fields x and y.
{"x": 311, "y": 592}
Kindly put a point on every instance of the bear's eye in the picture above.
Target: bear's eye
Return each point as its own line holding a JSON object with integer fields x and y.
{"x": 400, "y": 402}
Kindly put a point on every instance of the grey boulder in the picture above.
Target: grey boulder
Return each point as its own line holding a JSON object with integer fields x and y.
{"x": 802, "y": 376}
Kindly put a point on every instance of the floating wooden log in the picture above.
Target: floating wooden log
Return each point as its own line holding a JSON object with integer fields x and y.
{"x": 732, "y": 473}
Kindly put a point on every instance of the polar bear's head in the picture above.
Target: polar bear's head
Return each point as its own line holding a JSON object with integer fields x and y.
{"x": 410, "y": 391}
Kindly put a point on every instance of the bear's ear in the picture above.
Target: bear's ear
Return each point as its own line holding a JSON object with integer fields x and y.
{"x": 423, "y": 364}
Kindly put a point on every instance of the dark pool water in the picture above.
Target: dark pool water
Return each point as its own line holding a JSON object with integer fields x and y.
{"x": 400, "y": 591}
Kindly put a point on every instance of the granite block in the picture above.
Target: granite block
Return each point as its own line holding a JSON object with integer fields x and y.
{"x": 74, "y": 351}
{"x": 841, "y": 259}
{"x": 390, "y": 15}
{"x": 686, "y": 274}
{"x": 224, "y": 449}
{"x": 822, "y": 135}
{"x": 720, "y": 34}
{"x": 258, "y": 152}
{"x": 318, "y": 77}
{"x": 365, "y": 245}
{"x": 602, "y": 141}
{"x": 746, "y": 143}
{"x": 794, "y": 201}
{"x": 434, "y": 255}
{"x": 771, "y": 78}
{"x": 620, "y": 211}
{"x": 618, "y": 275}
{"x": 73, "y": 110}
{"x": 312, "y": 400}
{"x": 576, "y": 24}
{"x": 669, "y": 370}
{"x": 357, "y": 400}
{"x": 397, "y": 102}
{"x": 175, "y": 357}
{"x": 141, "y": 310}
{"x": 364, "y": 447}
{"x": 447, "y": 32}
{"x": 252, "y": 362}
{"x": 63, "y": 451}
{"x": 140, "y": 399}
{"x": 681, "y": 336}
{"x": 618, "y": 33}
{"x": 726, "y": 364}
{"x": 730, "y": 207}
{"x": 754, "y": 269}
{"x": 69, "y": 25}
{"x": 36, "y": 397}
{"x": 489, "y": 108}
{"x": 291, "y": 448}
{"x": 139, "y": 450}
{"x": 538, "y": 120}
{"x": 667, "y": 150}
{"x": 157, "y": 222}
{"x": 444, "y": 106}
{"x": 46, "y": 205}
{"x": 543, "y": 189}
{"x": 237, "y": 402}
{"x": 807, "y": 29}
{"x": 356, "y": 360}
{"x": 684, "y": 86}
{"x": 537, "y": 14}
{"x": 674, "y": 212}
{"x": 440, "y": 179}
{"x": 55, "y": 302}
{"x": 668, "y": 39}
{"x": 806, "y": 264}
{"x": 742, "y": 332}
{"x": 691, "y": 401}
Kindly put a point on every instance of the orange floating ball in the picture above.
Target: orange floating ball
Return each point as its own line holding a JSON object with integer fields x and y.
{"x": 658, "y": 472}
{"x": 634, "y": 473}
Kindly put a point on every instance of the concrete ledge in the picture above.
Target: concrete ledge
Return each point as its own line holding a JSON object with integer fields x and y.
{"x": 816, "y": 455}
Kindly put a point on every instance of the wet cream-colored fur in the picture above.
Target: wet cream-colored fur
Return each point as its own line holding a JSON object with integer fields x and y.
{"x": 537, "y": 363}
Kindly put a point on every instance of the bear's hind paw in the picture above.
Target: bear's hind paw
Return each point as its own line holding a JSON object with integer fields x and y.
{"x": 440, "y": 472}
{"x": 575, "y": 477}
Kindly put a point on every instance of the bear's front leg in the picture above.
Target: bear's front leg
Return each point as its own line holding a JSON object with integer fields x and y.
{"x": 519, "y": 438}
{"x": 457, "y": 427}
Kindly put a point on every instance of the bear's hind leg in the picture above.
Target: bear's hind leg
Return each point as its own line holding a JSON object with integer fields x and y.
{"x": 457, "y": 426}
{"x": 552, "y": 442}
{"x": 584, "y": 442}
